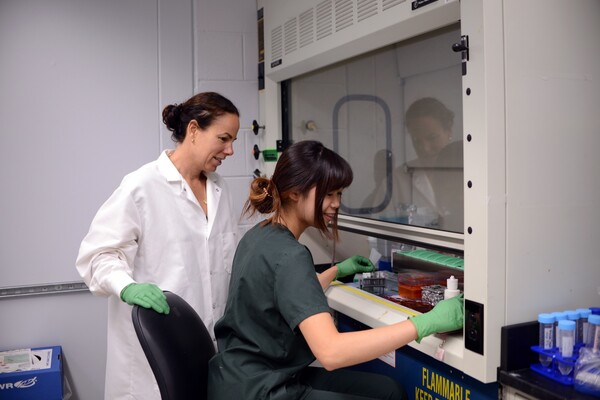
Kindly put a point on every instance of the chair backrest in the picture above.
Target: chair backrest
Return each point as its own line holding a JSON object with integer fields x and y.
{"x": 178, "y": 348}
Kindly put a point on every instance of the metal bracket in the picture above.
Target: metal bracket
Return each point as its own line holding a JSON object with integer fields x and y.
{"x": 463, "y": 48}
{"x": 44, "y": 288}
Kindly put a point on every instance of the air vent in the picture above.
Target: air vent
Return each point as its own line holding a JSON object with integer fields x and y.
{"x": 324, "y": 19}
{"x": 306, "y": 27}
{"x": 344, "y": 16}
{"x": 290, "y": 36}
{"x": 365, "y": 9}
{"x": 276, "y": 43}
{"x": 387, "y": 4}
{"x": 327, "y": 18}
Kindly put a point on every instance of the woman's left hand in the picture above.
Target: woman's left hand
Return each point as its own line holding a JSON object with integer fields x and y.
{"x": 354, "y": 265}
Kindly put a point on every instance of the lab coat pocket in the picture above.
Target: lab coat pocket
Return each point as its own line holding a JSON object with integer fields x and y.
{"x": 229, "y": 243}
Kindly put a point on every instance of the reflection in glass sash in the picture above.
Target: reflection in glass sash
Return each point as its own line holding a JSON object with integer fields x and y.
{"x": 396, "y": 115}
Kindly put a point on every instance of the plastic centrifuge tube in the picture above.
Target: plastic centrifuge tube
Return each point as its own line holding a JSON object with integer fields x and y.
{"x": 558, "y": 316}
{"x": 566, "y": 340}
{"x": 546, "y": 338}
{"x": 594, "y": 323}
{"x": 584, "y": 314}
{"x": 573, "y": 315}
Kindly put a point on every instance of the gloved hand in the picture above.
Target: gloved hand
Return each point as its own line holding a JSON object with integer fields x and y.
{"x": 146, "y": 295}
{"x": 353, "y": 265}
{"x": 448, "y": 315}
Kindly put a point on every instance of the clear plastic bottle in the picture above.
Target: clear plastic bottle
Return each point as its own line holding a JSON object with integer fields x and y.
{"x": 451, "y": 288}
{"x": 566, "y": 343}
{"x": 584, "y": 314}
{"x": 546, "y": 337}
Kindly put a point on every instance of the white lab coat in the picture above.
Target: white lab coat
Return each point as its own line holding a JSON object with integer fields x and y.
{"x": 152, "y": 229}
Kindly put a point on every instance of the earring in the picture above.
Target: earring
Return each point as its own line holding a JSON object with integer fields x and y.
{"x": 194, "y": 139}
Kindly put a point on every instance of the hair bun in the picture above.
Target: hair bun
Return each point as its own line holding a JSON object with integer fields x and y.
{"x": 172, "y": 116}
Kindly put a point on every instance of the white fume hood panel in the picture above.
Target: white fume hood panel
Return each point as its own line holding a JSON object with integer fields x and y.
{"x": 301, "y": 36}
{"x": 530, "y": 132}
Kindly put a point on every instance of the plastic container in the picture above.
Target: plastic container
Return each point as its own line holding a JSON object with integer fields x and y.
{"x": 586, "y": 377}
{"x": 410, "y": 291}
{"x": 558, "y": 316}
{"x": 411, "y": 283}
{"x": 584, "y": 313}
{"x": 391, "y": 282}
{"x": 358, "y": 278}
{"x": 451, "y": 288}
{"x": 573, "y": 315}
{"x": 566, "y": 345}
{"x": 546, "y": 342}
{"x": 373, "y": 282}
{"x": 594, "y": 333}
{"x": 384, "y": 264}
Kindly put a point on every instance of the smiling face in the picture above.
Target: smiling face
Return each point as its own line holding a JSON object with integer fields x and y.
{"x": 331, "y": 205}
{"x": 329, "y": 209}
{"x": 215, "y": 143}
{"x": 309, "y": 179}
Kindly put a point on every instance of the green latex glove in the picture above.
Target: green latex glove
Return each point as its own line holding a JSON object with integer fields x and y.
{"x": 146, "y": 295}
{"x": 448, "y": 315}
{"x": 353, "y": 265}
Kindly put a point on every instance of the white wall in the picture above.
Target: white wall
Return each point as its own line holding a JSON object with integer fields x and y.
{"x": 226, "y": 61}
{"x": 185, "y": 46}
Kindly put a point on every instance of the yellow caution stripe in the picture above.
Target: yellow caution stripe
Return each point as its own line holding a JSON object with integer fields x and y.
{"x": 375, "y": 298}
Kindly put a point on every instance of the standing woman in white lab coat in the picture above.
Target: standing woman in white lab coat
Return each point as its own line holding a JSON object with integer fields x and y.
{"x": 168, "y": 226}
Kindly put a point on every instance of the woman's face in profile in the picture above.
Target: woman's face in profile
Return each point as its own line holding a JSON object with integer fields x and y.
{"x": 429, "y": 137}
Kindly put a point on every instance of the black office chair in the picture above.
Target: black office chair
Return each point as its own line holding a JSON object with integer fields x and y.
{"x": 178, "y": 348}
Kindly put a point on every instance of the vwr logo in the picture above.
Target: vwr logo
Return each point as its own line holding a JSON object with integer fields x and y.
{"x": 27, "y": 383}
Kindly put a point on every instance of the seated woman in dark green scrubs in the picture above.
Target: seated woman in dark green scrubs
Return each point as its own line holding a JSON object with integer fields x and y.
{"x": 277, "y": 320}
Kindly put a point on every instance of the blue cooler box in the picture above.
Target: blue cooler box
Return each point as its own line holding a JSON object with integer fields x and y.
{"x": 36, "y": 384}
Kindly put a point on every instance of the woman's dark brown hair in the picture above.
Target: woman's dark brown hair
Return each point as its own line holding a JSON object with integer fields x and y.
{"x": 301, "y": 167}
{"x": 203, "y": 108}
{"x": 429, "y": 107}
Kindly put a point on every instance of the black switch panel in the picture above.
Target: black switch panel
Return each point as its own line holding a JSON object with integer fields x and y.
{"x": 474, "y": 326}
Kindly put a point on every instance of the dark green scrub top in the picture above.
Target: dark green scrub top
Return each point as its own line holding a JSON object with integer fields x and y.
{"x": 273, "y": 288}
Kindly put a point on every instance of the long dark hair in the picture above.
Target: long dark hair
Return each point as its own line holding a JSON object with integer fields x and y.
{"x": 301, "y": 167}
{"x": 203, "y": 108}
